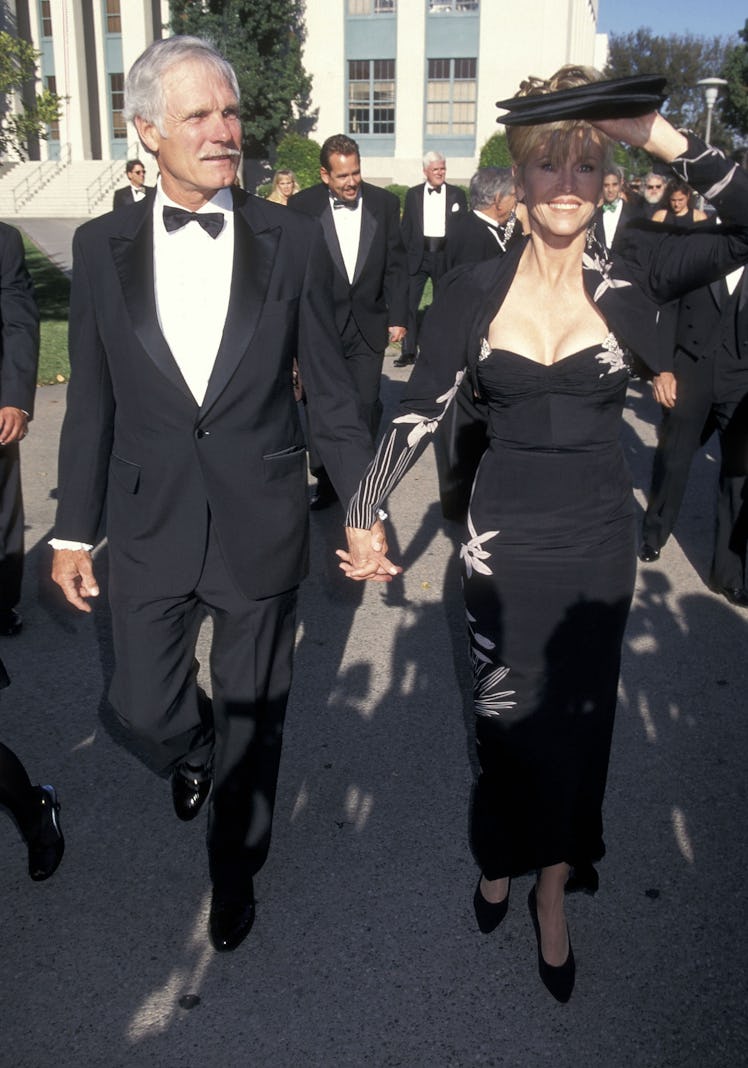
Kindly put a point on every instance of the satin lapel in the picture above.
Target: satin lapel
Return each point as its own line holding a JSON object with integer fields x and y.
{"x": 717, "y": 291}
{"x": 331, "y": 237}
{"x": 133, "y": 259}
{"x": 366, "y": 237}
{"x": 254, "y": 255}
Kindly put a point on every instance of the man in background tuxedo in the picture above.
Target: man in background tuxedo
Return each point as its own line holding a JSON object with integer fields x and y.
{"x": 431, "y": 211}
{"x": 708, "y": 380}
{"x": 187, "y": 311}
{"x": 478, "y": 235}
{"x": 361, "y": 224}
{"x": 614, "y": 214}
{"x": 136, "y": 190}
{"x": 19, "y": 358}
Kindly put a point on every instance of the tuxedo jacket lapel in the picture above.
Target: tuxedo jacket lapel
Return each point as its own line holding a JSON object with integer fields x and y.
{"x": 133, "y": 258}
{"x": 331, "y": 237}
{"x": 254, "y": 254}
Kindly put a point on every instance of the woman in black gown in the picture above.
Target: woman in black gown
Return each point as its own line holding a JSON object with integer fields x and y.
{"x": 547, "y": 334}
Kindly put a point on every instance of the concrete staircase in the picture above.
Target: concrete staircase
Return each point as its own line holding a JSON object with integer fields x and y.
{"x": 55, "y": 189}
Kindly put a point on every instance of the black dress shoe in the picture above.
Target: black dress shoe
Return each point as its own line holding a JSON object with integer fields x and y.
{"x": 322, "y": 497}
{"x": 734, "y": 594}
{"x": 189, "y": 790}
{"x": 231, "y": 918}
{"x": 489, "y": 914}
{"x": 46, "y": 845}
{"x": 647, "y": 553}
{"x": 557, "y": 979}
{"x": 404, "y": 361}
{"x": 10, "y": 623}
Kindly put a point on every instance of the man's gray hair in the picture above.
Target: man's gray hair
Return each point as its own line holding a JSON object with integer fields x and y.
{"x": 490, "y": 184}
{"x": 144, "y": 91}
{"x": 615, "y": 170}
{"x": 433, "y": 157}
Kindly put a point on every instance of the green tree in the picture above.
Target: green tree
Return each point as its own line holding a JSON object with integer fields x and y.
{"x": 18, "y": 60}
{"x": 300, "y": 155}
{"x": 263, "y": 39}
{"x": 684, "y": 59}
{"x": 495, "y": 152}
{"x": 735, "y": 71}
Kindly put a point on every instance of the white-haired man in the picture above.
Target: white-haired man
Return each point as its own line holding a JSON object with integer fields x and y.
{"x": 430, "y": 212}
{"x": 187, "y": 310}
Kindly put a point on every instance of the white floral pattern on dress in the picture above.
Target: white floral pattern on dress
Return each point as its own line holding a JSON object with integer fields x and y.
{"x": 595, "y": 259}
{"x": 489, "y": 700}
{"x": 613, "y": 357}
{"x": 472, "y": 551}
{"x": 423, "y": 426}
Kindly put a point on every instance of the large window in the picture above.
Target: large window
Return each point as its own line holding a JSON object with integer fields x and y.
{"x": 372, "y": 7}
{"x": 371, "y": 96}
{"x": 53, "y": 130}
{"x": 450, "y": 98}
{"x": 116, "y": 103}
{"x": 113, "y": 16}
{"x": 446, "y": 7}
{"x": 45, "y": 11}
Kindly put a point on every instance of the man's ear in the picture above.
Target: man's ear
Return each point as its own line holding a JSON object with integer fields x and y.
{"x": 324, "y": 175}
{"x": 148, "y": 134}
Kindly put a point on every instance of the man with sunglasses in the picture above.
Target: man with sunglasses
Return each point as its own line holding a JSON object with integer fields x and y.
{"x": 653, "y": 189}
{"x": 137, "y": 189}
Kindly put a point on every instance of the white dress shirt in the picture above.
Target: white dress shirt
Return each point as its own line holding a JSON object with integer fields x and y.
{"x": 348, "y": 228}
{"x": 434, "y": 212}
{"x": 610, "y": 222}
{"x": 192, "y": 273}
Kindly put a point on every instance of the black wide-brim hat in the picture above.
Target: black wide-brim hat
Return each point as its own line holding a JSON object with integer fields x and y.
{"x": 619, "y": 98}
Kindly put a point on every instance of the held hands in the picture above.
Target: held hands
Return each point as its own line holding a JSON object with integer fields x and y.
{"x": 367, "y": 555}
{"x": 396, "y": 333}
{"x": 72, "y": 570}
{"x": 13, "y": 425}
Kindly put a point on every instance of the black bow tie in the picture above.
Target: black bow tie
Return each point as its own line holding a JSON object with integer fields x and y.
{"x": 176, "y": 218}
{"x": 350, "y": 204}
{"x": 435, "y": 189}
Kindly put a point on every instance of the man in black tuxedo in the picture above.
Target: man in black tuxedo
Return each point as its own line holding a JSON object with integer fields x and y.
{"x": 431, "y": 211}
{"x": 187, "y": 311}
{"x": 614, "y": 214}
{"x": 19, "y": 358}
{"x": 479, "y": 235}
{"x": 136, "y": 190}
{"x": 361, "y": 224}
{"x": 708, "y": 380}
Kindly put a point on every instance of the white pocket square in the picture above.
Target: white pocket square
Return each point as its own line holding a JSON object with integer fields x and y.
{"x": 455, "y": 207}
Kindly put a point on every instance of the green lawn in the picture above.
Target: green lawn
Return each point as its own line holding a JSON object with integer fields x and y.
{"x": 53, "y": 297}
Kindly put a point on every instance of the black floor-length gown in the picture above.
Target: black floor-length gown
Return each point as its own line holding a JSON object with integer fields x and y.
{"x": 549, "y": 553}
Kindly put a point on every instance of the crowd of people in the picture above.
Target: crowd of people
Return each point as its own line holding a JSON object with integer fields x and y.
{"x": 183, "y": 433}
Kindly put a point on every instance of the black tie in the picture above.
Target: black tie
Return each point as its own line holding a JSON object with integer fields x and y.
{"x": 350, "y": 204}
{"x": 434, "y": 190}
{"x": 176, "y": 218}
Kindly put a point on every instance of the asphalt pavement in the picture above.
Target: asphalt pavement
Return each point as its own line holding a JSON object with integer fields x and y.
{"x": 365, "y": 951}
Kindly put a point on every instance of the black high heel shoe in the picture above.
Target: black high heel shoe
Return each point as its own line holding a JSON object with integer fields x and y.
{"x": 557, "y": 979}
{"x": 489, "y": 914}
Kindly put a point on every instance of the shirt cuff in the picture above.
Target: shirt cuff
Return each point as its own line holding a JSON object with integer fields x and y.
{"x": 61, "y": 543}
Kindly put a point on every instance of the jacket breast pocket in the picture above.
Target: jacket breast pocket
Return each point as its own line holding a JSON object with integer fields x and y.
{"x": 126, "y": 474}
{"x": 284, "y": 464}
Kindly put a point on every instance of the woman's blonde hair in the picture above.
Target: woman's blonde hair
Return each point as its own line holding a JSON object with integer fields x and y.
{"x": 560, "y": 137}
